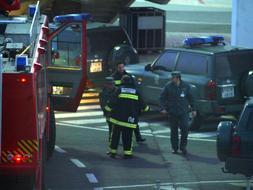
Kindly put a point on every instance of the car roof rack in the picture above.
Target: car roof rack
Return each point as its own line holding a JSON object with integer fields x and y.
{"x": 211, "y": 40}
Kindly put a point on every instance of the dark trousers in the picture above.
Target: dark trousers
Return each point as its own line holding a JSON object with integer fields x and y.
{"x": 127, "y": 134}
{"x": 110, "y": 130}
{"x": 179, "y": 121}
{"x": 137, "y": 133}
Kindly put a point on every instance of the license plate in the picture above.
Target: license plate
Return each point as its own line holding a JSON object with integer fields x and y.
{"x": 95, "y": 67}
{"x": 228, "y": 92}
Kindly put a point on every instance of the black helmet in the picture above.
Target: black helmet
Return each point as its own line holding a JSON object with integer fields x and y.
{"x": 126, "y": 79}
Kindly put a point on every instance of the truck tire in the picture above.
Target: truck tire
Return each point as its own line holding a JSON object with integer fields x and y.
{"x": 224, "y": 139}
{"x": 52, "y": 133}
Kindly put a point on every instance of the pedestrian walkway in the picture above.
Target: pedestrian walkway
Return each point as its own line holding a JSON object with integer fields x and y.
{"x": 90, "y": 116}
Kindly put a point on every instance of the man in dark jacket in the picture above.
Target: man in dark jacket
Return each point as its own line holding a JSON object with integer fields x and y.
{"x": 125, "y": 106}
{"x": 117, "y": 76}
{"x": 176, "y": 101}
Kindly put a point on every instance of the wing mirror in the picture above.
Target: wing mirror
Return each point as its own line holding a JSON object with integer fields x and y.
{"x": 148, "y": 67}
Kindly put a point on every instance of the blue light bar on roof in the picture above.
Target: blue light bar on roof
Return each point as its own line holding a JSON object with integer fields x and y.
{"x": 72, "y": 17}
{"x": 213, "y": 40}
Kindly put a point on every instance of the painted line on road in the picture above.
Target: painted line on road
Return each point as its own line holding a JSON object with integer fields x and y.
{"x": 177, "y": 185}
{"x": 89, "y": 107}
{"x": 91, "y": 177}
{"x": 144, "y": 134}
{"x": 78, "y": 114}
{"x": 58, "y": 149}
{"x": 78, "y": 163}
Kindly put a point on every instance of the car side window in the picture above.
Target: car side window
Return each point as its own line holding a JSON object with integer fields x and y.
{"x": 190, "y": 63}
{"x": 166, "y": 61}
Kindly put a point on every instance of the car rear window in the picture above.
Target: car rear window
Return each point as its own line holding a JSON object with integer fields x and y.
{"x": 233, "y": 64}
{"x": 190, "y": 63}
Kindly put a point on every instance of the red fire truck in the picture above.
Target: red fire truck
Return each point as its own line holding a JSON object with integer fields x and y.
{"x": 34, "y": 83}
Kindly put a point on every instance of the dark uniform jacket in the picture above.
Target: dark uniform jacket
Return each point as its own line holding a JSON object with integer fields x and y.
{"x": 117, "y": 77}
{"x": 125, "y": 106}
{"x": 104, "y": 97}
{"x": 176, "y": 99}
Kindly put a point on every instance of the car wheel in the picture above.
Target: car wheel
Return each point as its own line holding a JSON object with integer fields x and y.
{"x": 224, "y": 139}
{"x": 194, "y": 122}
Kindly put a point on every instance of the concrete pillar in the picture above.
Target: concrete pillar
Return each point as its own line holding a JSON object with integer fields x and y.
{"x": 242, "y": 23}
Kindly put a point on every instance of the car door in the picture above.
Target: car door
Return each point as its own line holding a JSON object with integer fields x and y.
{"x": 67, "y": 66}
{"x": 158, "y": 76}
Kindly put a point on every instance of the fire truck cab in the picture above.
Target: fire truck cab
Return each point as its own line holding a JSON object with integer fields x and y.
{"x": 33, "y": 83}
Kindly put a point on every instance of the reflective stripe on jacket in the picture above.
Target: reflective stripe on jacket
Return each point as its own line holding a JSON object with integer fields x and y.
{"x": 125, "y": 106}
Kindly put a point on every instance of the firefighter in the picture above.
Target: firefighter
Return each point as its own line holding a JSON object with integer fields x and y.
{"x": 125, "y": 106}
{"x": 117, "y": 75}
{"x": 176, "y": 100}
{"x": 108, "y": 90}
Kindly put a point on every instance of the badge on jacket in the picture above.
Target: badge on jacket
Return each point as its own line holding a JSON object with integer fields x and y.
{"x": 182, "y": 95}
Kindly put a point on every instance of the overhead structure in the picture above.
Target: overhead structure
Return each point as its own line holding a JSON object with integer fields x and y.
{"x": 101, "y": 10}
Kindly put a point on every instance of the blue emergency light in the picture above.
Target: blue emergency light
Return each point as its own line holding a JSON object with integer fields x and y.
{"x": 195, "y": 41}
{"x": 31, "y": 10}
{"x": 21, "y": 62}
{"x": 72, "y": 17}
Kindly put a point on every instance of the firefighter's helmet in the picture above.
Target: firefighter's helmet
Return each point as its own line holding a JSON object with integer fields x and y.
{"x": 126, "y": 79}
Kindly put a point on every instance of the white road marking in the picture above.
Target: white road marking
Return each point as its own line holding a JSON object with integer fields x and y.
{"x": 161, "y": 131}
{"x": 145, "y": 134}
{"x": 203, "y": 135}
{"x": 78, "y": 163}
{"x": 78, "y": 114}
{"x": 88, "y": 107}
{"x": 86, "y": 121}
{"x": 177, "y": 185}
{"x": 58, "y": 149}
{"x": 82, "y": 127}
{"x": 91, "y": 177}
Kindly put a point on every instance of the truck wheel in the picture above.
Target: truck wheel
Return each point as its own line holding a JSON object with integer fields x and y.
{"x": 52, "y": 134}
{"x": 224, "y": 139}
{"x": 194, "y": 122}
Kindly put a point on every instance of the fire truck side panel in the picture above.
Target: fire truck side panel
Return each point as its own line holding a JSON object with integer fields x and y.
{"x": 19, "y": 122}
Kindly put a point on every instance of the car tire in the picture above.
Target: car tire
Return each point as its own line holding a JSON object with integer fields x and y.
{"x": 224, "y": 139}
{"x": 194, "y": 122}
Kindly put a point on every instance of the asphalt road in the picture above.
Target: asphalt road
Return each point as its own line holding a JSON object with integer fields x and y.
{"x": 80, "y": 161}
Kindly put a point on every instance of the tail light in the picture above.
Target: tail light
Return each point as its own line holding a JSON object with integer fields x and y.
{"x": 236, "y": 145}
{"x": 211, "y": 90}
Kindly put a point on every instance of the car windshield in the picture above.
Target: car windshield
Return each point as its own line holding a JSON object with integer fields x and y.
{"x": 234, "y": 64}
{"x": 104, "y": 40}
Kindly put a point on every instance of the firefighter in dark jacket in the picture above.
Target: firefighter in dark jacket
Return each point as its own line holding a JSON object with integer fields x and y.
{"x": 117, "y": 75}
{"x": 108, "y": 90}
{"x": 176, "y": 101}
{"x": 125, "y": 106}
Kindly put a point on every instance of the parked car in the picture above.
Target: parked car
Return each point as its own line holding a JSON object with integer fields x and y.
{"x": 107, "y": 45}
{"x": 235, "y": 142}
{"x": 220, "y": 76}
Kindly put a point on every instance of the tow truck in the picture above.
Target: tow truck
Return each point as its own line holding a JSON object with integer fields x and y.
{"x": 34, "y": 83}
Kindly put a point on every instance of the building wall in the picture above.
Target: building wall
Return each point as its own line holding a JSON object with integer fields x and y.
{"x": 242, "y": 23}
